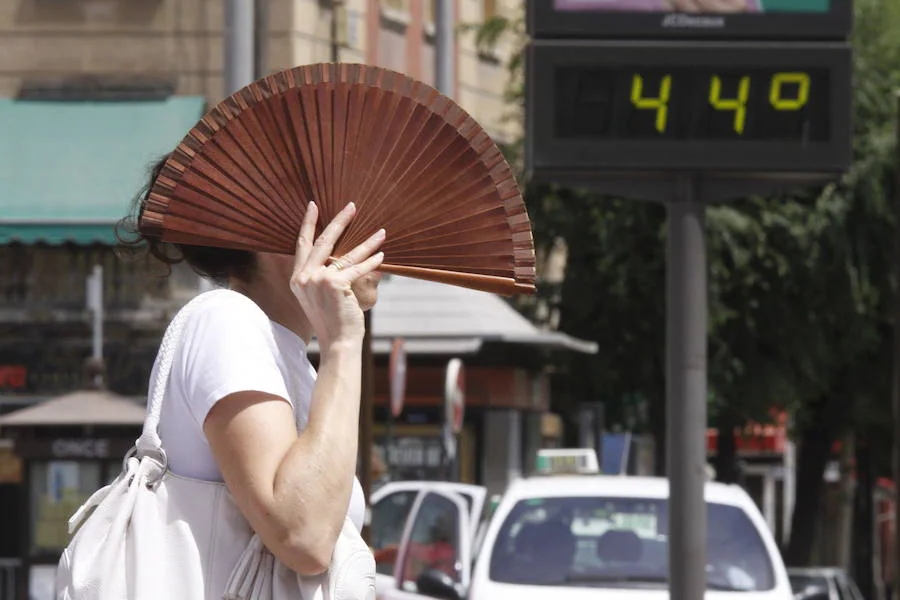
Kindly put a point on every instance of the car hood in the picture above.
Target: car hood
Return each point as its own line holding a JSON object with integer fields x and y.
{"x": 505, "y": 591}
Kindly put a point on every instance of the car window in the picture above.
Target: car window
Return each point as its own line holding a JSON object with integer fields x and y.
{"x": 841, "y": 585}
{"x": 433, "y": 542}
{"x": 801, "y": 582}
{"x": 855, "y": 593}
{"x": 620, "y": 542}
{"x": 389, "y": 516}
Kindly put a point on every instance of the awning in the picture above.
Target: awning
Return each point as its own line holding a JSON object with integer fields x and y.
{"x": 69, "y": 170}
{"x": 445, "y": 320}
{"x": 82, "y": 407}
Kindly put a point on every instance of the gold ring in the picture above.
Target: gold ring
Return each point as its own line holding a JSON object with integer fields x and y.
{"x": 338, "y": 264}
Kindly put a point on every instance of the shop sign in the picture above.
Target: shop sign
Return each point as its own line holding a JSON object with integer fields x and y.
{"x": 80, "y": 448}
{"x": 73, "y": 448}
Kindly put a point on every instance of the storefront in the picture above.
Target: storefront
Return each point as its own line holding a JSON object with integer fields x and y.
{"x": 67, "y": 448}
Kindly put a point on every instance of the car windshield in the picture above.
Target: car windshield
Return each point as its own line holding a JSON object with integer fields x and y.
{"x": 621, "y": 542}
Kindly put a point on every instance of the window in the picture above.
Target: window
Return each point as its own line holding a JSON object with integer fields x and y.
{"x": 489, "y": 9}
{"x": 388, "y": 520}
{"x": 400, "y": 6}
{"x": 58, "y": 489}
{"x": 801, "y": 582}
{"x": 434, "y": 541}
{"x": 597, "y": 542}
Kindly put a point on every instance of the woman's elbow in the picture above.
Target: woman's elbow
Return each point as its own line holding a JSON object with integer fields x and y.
{"x": 307, "y": 553}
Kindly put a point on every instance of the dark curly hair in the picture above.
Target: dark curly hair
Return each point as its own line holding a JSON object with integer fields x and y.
{"x": 218, "y": 264}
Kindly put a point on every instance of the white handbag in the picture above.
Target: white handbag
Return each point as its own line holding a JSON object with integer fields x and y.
{"x": 151, "y": 534}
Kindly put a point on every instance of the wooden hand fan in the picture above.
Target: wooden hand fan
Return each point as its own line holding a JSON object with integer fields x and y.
{"x": 412, "y": 160}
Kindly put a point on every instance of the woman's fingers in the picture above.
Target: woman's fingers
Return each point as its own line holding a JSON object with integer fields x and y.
{"x": 363, "y": 251}
{"x": 306, "y": 236}
{"x": 355, "y": 271}
{"x": 324, "y": 244}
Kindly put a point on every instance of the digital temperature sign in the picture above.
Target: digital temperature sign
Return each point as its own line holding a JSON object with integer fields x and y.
{"x": 703, "y": 106}
{"x": 690, "y": 19}
{"x": 692, "y": 104}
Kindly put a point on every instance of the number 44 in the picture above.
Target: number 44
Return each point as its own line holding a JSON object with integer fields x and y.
{"x": 737, "y": 104}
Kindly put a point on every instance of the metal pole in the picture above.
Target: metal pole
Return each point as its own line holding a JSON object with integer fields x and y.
{"x": 895, "y": 566}
{"x": 443, "y": 47}
{"x": 333, "y": 34}
{"x": 95, "y": 305}
{"x": 686, "y": 316}
{"x": 366, "y": 417}
{"x": 242, "y": 57}
{"x": 260, "y": 38}
{"x": 389, "y": 444}
{"x": 239, "y": 48}
{"x": 790, "y": 482}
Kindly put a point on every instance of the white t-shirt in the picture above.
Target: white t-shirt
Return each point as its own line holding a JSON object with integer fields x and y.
{"x": 229, "y": 345}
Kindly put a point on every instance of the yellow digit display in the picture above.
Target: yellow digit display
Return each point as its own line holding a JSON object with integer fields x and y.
{"x": 660, "y": 103}
{"x": 801, "y": 80}
{"x": 738, "y": 104}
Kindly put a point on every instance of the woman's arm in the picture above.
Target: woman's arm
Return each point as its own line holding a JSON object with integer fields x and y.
{"x": 293, "y": 489}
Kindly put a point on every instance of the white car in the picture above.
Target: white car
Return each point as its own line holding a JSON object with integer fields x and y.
{"x": 570, "y": 536}
{"x": 393, "y": 503}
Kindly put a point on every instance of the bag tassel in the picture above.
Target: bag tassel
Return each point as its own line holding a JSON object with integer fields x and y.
{"x": 252, "y": 574}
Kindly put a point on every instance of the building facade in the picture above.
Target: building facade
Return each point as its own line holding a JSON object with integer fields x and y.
{"x": 177, "y": 46}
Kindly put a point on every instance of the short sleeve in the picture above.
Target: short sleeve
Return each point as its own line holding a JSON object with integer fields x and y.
{"x": 228, "y": 346}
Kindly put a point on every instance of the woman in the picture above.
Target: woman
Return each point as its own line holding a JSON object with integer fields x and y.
{"x": 245, "y": 406}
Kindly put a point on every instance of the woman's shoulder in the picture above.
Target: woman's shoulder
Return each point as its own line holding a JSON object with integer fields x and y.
{"x": 224, "y": 304}
{"x": 223, "y": 314}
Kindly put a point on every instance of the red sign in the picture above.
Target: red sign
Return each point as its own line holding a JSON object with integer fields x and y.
{"x": 397, "y": 370}
{"x": 12, "y": 376}
{"x": 755, "y": 437}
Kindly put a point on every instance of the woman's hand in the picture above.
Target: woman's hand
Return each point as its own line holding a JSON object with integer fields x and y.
{"x": 324, "y": 291}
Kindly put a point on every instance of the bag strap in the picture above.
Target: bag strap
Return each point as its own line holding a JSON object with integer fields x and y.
{"x": 150, "y": 442}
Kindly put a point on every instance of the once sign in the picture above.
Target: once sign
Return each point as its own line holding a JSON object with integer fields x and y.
{"x": 80, "y": 448}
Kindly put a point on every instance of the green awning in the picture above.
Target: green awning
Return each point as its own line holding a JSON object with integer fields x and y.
{"x": 70, "y": 170}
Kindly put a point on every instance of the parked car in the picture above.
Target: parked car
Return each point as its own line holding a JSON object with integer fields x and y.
{"x": 569, "y": 533}
{"x": 391, "y": 505}
{"x": 823, "y": 583}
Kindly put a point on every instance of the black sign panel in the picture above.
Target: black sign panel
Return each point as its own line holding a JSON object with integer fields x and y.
{"x": 691, "y": 19}
{"x": 701, "y": 106}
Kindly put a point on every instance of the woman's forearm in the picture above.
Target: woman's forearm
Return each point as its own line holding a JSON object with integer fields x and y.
{"x": 314, "y": 481}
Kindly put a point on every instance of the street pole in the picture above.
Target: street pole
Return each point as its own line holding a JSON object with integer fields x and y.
{"x": 242, "y": 57}
{"x": 239, "y": 47}
{"x": 95, "y": 305}
{"x": 333, "y": 33}
{"x": 895, "y": 576}
{"x": 443, "y": 47}
{"x": 260, "y": 38}
{"x": 366, "y": 417}
{"x": 686, "y": 316}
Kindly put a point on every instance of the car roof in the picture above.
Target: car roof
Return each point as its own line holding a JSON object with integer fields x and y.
{"x": 616, "y": 486}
